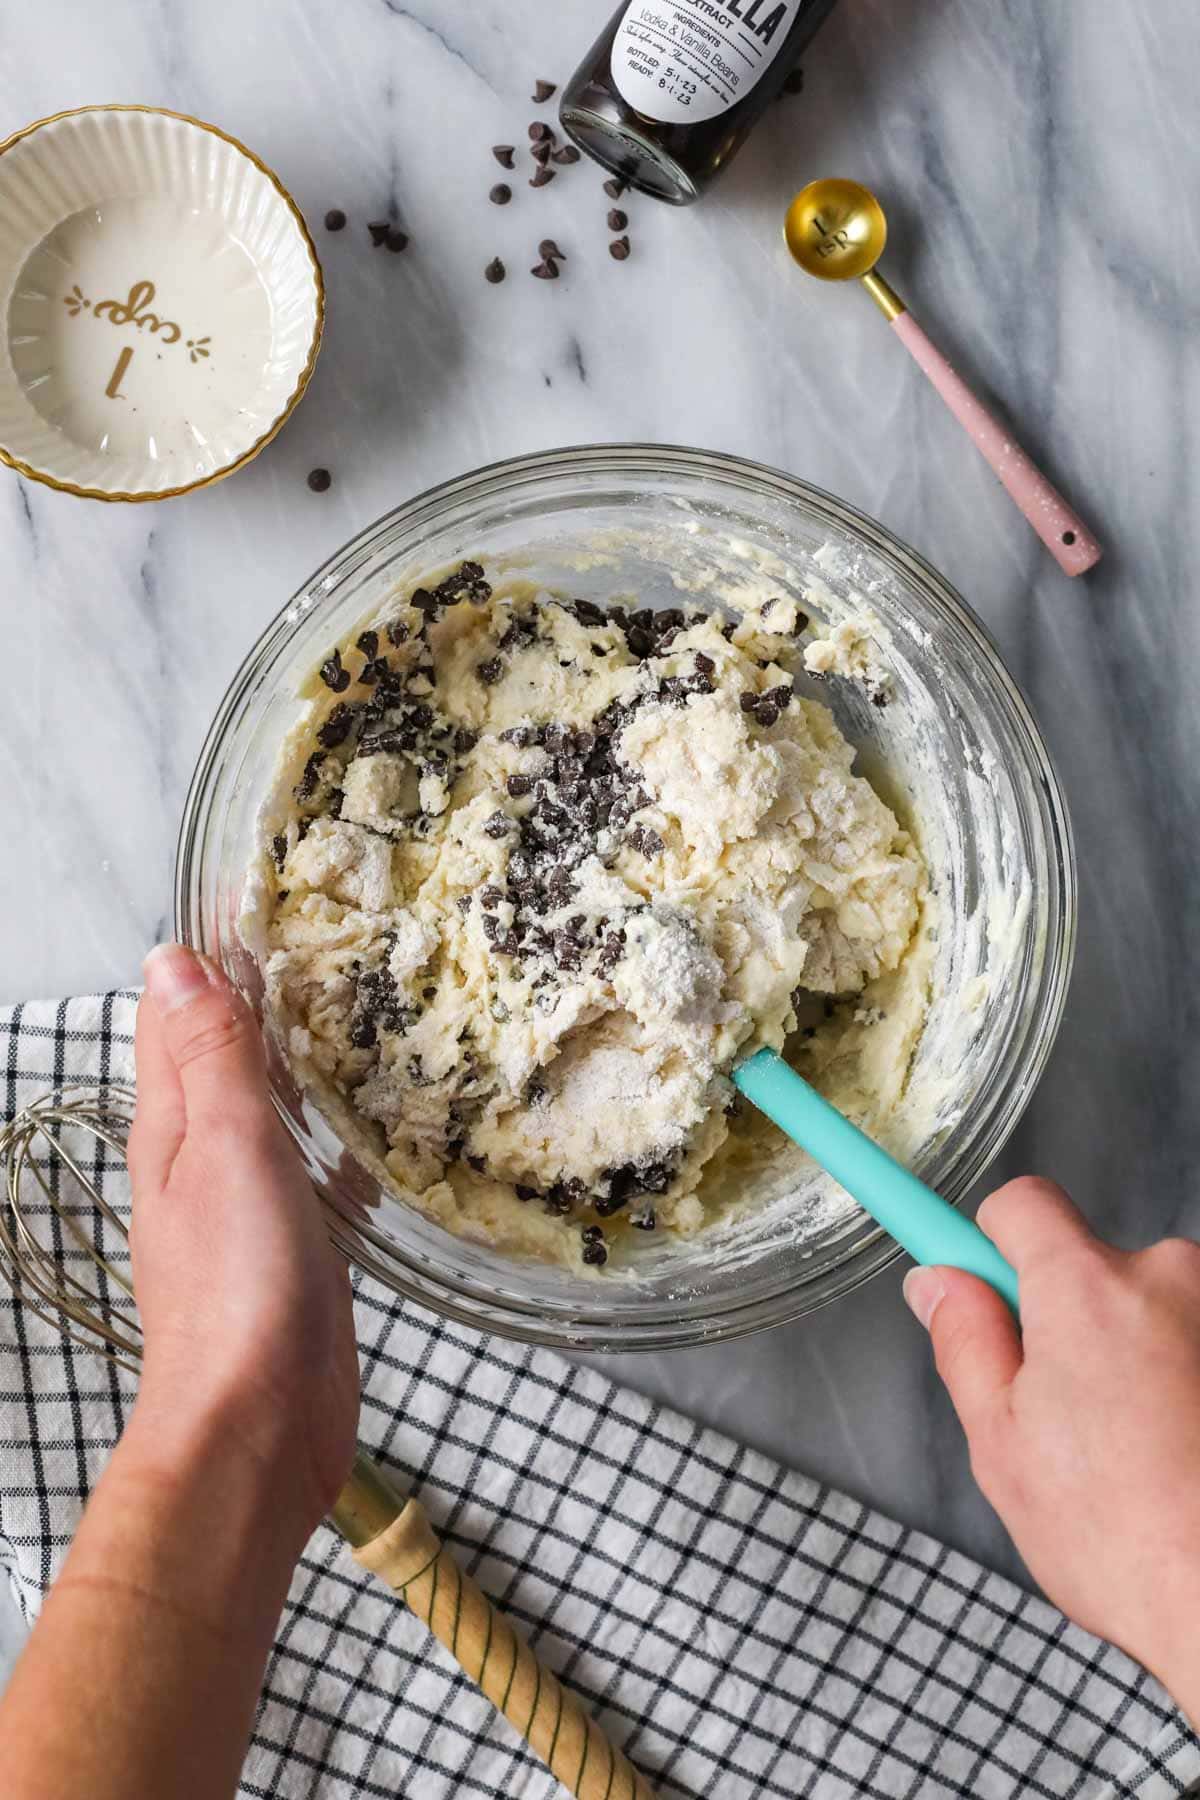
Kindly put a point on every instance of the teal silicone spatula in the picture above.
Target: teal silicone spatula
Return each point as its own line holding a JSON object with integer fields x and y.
{"x": 924, "y": 1224}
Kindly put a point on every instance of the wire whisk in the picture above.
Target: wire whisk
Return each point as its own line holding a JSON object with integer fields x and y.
{"x": 99, "y": 1315}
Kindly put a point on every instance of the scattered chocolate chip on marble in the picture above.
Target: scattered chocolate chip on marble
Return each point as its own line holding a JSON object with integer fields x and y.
{"x": 614, "y": 188}
{"x": 568, "y": 154}
{"x": 543, "y": 91}
{"x": 495, "y": 271}
{"x": 320, "y": 480}
{"x": 540, "y": 154}
{"x": 542, "y": 178}
{"x": 617, "y": 220}
{"x": 619, "y": 249}
{"x": 396, "y": 240}
{"x": 335, "y": 219}
{"x": 501, "y": 194}
{"x": 548, "y": 248}
{"x": 504, "y": 154}
{"x": 379, "y": 232}
{"x": 545, "y": 271}
{"x": 540, "y": 132}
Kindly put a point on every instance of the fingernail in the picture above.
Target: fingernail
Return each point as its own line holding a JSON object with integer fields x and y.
{"x": 174, "y": 975}
{"x": 924, "y": 1290}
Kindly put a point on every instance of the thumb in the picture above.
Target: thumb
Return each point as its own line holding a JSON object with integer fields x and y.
{"x": 210, "y": 1035}
{"x": 976, "y": 1343}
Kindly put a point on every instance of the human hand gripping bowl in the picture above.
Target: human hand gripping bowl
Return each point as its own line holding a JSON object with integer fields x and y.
{"x": 555, "y": 871}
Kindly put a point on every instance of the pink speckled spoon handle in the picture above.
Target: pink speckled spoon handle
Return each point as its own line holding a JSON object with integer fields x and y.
{"x": 1061, "y": 530}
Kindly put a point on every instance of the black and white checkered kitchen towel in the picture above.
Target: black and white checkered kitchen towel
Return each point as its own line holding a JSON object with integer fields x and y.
{"x": 741, "y": 1630}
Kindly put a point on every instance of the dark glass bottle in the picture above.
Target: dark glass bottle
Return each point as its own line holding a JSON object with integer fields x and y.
{"x": 672, "y": 88}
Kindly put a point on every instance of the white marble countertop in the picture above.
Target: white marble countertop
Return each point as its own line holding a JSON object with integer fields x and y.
{"x": 1020, "y": 150}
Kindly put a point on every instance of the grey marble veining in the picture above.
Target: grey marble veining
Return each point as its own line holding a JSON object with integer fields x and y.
{"x": 1021, "y": 150}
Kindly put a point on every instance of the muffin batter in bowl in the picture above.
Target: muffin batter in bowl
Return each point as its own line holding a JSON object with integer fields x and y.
{"x": 537, "y": 872}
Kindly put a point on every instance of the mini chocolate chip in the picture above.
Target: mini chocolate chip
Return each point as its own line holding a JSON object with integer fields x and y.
{"x": 490, "y": 672}
{"x": 491, "y": 898}
{"x": 306, "y": 787}
{"x": 548, "y": 248}
{"x": 595, "y": 1255}
{"x": 524, "y": 1192}
{"x": 540, "y": 154}
{"x": 617, "y": 220}
{"x": 465, "y": 741}
{"x": 320, "y": 480}
{"x": 542, "y": 178}
{"x": 614, "y": 187}
{"x": 767, "y": 714}
{"x": 592, "y": 1234}
{"x": 543, "y": 91}
{"x": 503, "y": 154}
{"x": 705, "y": 664}
{"x": 750, "y": 701}
{"x": 279, "y": 849}
{"x": 499, "y": 825}
{"x": 335, "y": 219}
{"x": 379, "y": 232}
{"x": 545, "y": 271}
{"x": 519, "y": 785}
{"x": 501, "y": 194}
{"x": 333, "y": 674}
{"x": 619, "y": 249}
{"x": 568, "y": 154}
{"x": 368, "y": 643}
{"x": 540, "y": 132}
{"x": 396, "y": 240}
{"x": 495, "y": 271}
{"x": 398, "y": 631}
{"x": 647, "y": 841}
{"x": 336, "y": 728}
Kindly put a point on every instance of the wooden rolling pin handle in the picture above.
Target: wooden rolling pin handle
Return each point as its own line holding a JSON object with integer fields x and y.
{"x": 410, "y": 1559}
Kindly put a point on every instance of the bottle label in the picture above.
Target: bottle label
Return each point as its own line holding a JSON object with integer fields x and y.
{"x": 682, "y": 61}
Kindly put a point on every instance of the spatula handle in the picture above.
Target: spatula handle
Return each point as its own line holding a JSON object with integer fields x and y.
{"x": 408, "y": 1557}
{"x": 928, "y": 1227}
{"x": 1057, "y": 524}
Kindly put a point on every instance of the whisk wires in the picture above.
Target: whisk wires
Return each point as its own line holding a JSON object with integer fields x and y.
{"x": 95, "y": 1307}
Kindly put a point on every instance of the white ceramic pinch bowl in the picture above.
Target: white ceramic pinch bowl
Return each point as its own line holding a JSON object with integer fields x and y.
{"x": 161, "y": 303}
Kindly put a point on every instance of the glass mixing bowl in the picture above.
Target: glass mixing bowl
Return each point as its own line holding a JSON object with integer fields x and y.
{"x": 957, "y": 739}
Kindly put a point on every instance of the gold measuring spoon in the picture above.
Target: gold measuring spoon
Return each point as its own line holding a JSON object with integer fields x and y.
{"x": 837, "y": 231}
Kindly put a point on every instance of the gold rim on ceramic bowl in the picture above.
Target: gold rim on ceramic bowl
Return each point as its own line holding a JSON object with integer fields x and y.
{"x": 163, "y": 303}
